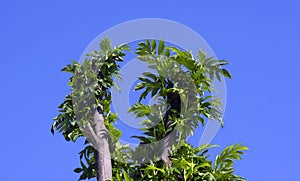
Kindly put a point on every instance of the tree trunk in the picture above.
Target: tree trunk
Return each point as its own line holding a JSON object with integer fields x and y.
{"x": 166, "y": 148}
{"x": 102, "y": 154}
{"x": 174, "y": 110}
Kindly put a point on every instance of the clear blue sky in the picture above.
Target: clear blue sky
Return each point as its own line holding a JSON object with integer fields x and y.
{"x": 259, "y": 38}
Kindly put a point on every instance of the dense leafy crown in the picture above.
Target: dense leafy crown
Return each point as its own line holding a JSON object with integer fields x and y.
{"x": 182, "y": 103}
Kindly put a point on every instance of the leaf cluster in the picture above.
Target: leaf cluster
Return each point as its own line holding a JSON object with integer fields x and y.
{"x": 188, "y": 164}
{"x": 175, "y": 72}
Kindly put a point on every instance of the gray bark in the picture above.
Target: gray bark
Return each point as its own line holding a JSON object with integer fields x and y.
{"x": 166, "y": 148}
{"x": 102, "y": 155}
{"x": 175, "y": 105}
{"x": 98, "y": 136}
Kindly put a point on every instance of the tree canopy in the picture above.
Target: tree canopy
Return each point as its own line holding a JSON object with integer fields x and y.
{"x": 180, "y": 83}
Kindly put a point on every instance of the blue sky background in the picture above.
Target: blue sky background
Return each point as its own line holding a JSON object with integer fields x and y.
{"x": 259, "y": 38}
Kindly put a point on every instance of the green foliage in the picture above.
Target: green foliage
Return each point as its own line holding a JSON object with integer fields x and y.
{"x": 223, "y": 167}
{"x": 93, "y": 77}
{"x": 177, "y": 72}
{"x": 188, "y": 164}
{"x": 194, "y": 86}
